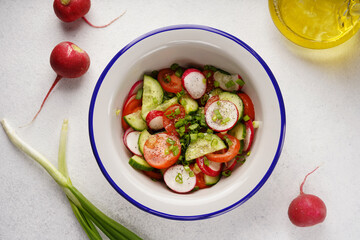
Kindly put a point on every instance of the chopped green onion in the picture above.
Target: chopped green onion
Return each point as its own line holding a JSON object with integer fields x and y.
{"x": 208, "y": 75}
{"x": 229, "y": 84}
{"x": 177, "y": 111}
{"x": 216, "y": 84}
{"x": 214, "y": 142}
{"x": 218, "y": 115}
{"x": 203, "y": 99}
{"x": 206, "y": 161}
{"x": 180, "y": 122}
{"x": 191, "y": 174}
{"x": 218, "y": 103}
{"x": 194, "y": 126}
{"x": 166, "y": 151}
{"x": 187, "y": 168}
{"x": 246, "y": 118}
{"x": 170, "y": 141}
{"x": 228, "y": 141}
{"x": 193, "y": 137}
{"x": 175, "y": 150}
{"x": 214, "y": 118}
{"x": 139, "y": 94}
{"x": 226, "y": 120}
{"x": 201, "y": 135}
{"x": 248, "y": 153}
{"x": 167, "y": 78}
{"x": 226, "y": 173}
{"x": 179, "y": 72}
{"x": 240, "y": 82}
{"x": 188, "y": 117}
{"x": 179, "y": 178}
{"x": 174, "y": 66}
{"x": 208, "y": 137}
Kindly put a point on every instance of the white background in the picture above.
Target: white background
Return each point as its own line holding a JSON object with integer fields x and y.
{"x": 320, "y": 90}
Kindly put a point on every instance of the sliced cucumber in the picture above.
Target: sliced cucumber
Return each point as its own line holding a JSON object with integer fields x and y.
{"x": 202, "y": 146}
{"x": 152, "y": 95}
{"x": 234, "y": 99}
{"x": 135, "y": 121}
{"x": 140, "y": 163}
{"x": 167, "y": 103}
{"x": 209, "y": 181}
{"x": 144, "y": 135}
{"x": 215, "y": 92}
{"x": 238, "y": 131}
{"x": 189, "y": 104}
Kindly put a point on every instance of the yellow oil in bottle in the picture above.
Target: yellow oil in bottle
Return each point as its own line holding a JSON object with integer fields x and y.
{"x": 316, "y": 23}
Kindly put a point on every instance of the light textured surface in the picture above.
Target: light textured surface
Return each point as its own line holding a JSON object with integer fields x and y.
{"x": 320, "y": 90}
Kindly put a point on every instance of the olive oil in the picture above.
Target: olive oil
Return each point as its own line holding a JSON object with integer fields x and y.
{"x": 316, "y": 23}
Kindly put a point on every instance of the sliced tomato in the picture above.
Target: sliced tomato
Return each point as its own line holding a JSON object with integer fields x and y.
{"x": 170, "y": 118}
{"x": 153, "y": 175}
{"x": 231, "y": 152}
{"x": 157, "y": 150}
{"x": 130, "y": 105}
{"x": 248, "y": 105}
{"x": 209, "y": 75}
{"x": 210, "y": 101}
{"x": 169, "y": 81}
{"x": 200, "y": 181}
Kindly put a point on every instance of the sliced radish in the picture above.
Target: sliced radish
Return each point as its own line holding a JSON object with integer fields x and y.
{"x": 135, "y": 88}
{"x": 221, "y": 115}
{"x": 228, "y": 82}
{"x": 249, "y": 135}
{"x": 131, "y": 139}
{"x": 154, "y": 119}
{"x": 213, "y": 169}
{"x": 179, "y": 180}
{"x": 230, "y": 165}
{"x": 194, "y": 83}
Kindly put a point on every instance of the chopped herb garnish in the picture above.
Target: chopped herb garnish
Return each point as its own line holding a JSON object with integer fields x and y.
{"x": 170, "y": 141}
{"x": 208, "y": 75}
{"x": 179, "y": 178}
{"x": 167, "y": 151}
{"x": 179, "y": 72}
{"x": 216, "y": 84}
{"x": 248, "y": 153}
{"x": 118, "y": 111}
{"x": 246, "y": 118}
{"x": 201, "y": 135}
{"x": 177, "y": 111}
{"x": 167, "y": 78}
{"x": 214, "y": 118}
{"x": 226, "y": 173}
{"x": 218, "y": 103}
{"x": 204, "y": 80}
{"x": 188, "y": 117}
{"x": 194, "y": 126}
{"x": 174, "y": 66}
{"x": 240, "y": 82}
{"x": 175, "y": 150}
{"x": 139, "y": 94}
{"x": 187, "y": 168}
{"x": 218, "y": 115}
{"x": 229, "y": 84}
{"x": 193, "y": 137}
{"x": 191, "y": 174}
{"x": 226, "y": 120}
{"x": 228, "y": 141}
{"x": 206, "y": 161}
{"x": 203, "y": 99}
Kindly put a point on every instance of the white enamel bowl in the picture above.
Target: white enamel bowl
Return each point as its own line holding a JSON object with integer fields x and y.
{"x": 196, "y": 45}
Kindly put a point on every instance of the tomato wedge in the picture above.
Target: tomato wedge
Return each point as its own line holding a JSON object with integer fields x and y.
{"x": 130, "y": 106}
{"x": 171, "y": 116}
{"x": 162, "y": 150}
{"x": 231, "y": 152}
{"x": 248, "y": 105}
{"x": 169, "y": 81}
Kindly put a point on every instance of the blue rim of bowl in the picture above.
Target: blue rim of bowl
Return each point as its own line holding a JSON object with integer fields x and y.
{"x": 280, "y": 143}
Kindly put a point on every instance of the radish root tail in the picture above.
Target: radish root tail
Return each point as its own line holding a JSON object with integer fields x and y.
{"x": 102, "y": 26}
{"x": 302, "y": 184}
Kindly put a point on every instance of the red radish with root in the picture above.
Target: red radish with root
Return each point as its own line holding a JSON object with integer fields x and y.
{"x": 71, "y": 10}
{"x": 307, "y": 210}
{"x": 68, "y": 61}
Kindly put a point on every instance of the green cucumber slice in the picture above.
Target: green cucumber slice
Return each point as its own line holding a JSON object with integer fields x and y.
{"x": 238, "y": 131}
{"x": 144, "y": 135}
{"x": 140, "y": 164}
{"x": 135, "y": 121}
{"x": 202, "y": 146}
{"x": 152, "y": 95}
{"x": 167, "y": 103}
{"x": 189, "y": 104}
{"x": 209, "y": 181}
{"x": 234, "y": 98}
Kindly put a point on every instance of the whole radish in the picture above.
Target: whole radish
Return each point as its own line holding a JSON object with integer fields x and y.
{"x": 307, "y": 210}
{"x": 68, "y": 61}
{"x": 71, "y": 10}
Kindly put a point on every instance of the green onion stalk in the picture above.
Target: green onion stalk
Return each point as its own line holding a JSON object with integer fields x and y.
{"x": 87, "y": 214}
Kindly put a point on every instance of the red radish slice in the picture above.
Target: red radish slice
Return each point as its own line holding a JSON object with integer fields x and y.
{"x": 179, "y": 180}
{"x": 228, "y": 82}
{"x": 135, "y": 88}
{"x": 194, "y": 83}
{"x": 131, "y": 139}
{"x": 230, "y": 165}
{"x": 154, "y": 119}
{"x": 213, "y": 169}
{"x": 221, "y": 115}
{"x": 249, "y": 135}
